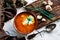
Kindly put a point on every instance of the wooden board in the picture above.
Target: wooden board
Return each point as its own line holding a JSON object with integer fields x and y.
{"x": 55, "y": 12}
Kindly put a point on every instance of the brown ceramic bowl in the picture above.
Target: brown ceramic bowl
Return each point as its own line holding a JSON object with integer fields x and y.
{"x": 25, "y": 22}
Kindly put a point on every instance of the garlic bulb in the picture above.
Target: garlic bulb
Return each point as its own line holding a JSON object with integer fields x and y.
{"x": 39, "y": 17}
{"x": 48, "y": 7}
{"x": 50, "y": 3}
{"x": 43, "y": 19}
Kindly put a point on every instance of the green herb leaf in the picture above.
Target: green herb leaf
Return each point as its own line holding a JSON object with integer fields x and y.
{"x": 29, "y": 19}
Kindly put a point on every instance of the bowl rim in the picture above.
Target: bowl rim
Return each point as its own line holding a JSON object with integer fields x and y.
{"x": 36, "y": 22}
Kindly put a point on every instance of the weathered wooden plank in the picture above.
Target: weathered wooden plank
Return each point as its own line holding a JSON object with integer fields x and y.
{"x": 55, "y": 12}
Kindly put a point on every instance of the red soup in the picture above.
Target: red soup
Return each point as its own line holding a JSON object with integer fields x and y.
{"x": 25, "y": 22}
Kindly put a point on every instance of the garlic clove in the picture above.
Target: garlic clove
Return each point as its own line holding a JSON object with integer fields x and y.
{"x": 39, "y": 17}
{"x": 43, "y": 19}
{"x": 50, "y": 3}
{"x": 44, "y": 2}
{"x": 48, "y": 7}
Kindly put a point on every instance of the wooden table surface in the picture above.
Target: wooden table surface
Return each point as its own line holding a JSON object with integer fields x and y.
{"x": 55, "y": 12}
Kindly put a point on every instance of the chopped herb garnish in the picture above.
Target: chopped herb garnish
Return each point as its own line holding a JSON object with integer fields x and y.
{"x": 29, "y": 19}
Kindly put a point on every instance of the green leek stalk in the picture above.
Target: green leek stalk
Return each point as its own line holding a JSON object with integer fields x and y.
{"x": 44, "y": 12}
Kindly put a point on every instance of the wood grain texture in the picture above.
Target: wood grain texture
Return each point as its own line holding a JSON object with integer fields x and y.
{"x": 55, "y": 12}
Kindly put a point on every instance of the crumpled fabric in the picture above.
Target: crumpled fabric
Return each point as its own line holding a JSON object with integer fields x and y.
{"x": 3, "y": 35}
